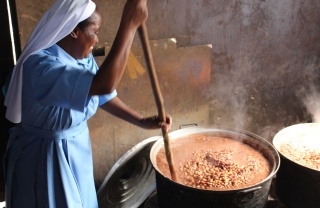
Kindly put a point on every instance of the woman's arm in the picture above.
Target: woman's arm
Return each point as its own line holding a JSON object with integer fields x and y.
{"x": 117, "y": 108}
{"x": 111, "y": 70}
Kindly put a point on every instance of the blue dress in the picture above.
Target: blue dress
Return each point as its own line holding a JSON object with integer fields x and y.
{"x": 48, "y": 162}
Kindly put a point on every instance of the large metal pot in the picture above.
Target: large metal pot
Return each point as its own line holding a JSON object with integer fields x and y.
{"x": 173, "y": 194}
{"x": 297, "y": 185}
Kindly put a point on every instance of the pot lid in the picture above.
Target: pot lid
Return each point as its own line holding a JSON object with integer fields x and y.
{"x": 131, "y": 180}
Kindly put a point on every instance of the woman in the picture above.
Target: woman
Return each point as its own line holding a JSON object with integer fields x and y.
{"x": 49, "y": 161}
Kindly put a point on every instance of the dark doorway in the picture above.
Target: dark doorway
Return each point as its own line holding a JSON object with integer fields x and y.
{"x": 7, "y": 61}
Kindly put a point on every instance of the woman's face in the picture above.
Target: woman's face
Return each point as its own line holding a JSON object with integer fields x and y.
{"x": 88, "y": 36}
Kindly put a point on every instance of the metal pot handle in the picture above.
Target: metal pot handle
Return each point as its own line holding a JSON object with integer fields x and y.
{"x": 250, "y": 189}
{"x": 185, "y": 125}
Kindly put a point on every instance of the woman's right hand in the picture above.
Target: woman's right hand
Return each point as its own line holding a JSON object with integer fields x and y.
{"x": 135, "y": 12}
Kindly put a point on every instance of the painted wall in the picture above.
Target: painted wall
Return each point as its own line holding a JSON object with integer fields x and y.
{"x": 263, "y": 73}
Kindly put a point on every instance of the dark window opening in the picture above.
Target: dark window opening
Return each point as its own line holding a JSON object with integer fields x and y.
{"x": 9, "y": 51}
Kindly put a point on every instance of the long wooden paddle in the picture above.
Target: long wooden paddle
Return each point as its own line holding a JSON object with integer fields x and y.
{"x": 157, "y": 95}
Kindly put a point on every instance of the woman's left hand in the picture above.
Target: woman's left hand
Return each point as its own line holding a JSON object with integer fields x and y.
{"x": 153, "y": 122}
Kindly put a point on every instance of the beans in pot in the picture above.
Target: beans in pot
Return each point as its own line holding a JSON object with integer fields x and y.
{"x": 215, "y": 163}
{"x": 215, "y": 170}
{"x": 302, "y": 154}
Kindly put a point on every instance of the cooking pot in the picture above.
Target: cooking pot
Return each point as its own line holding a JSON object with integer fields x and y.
{"x": 173, "y": 194}
{"x": 298, "y": 185}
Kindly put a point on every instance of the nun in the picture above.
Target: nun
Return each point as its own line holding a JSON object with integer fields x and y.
{"x": 55, "y": 87}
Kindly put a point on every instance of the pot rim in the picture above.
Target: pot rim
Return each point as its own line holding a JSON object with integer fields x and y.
{"x": 287, "y": 132}
{"x": 205, "y": 129}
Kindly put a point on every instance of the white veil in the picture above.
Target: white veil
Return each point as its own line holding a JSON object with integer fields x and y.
{"x": 61, "y": 18}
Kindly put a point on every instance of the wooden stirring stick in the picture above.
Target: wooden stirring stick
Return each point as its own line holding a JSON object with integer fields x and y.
{"x": 157, "y": 95}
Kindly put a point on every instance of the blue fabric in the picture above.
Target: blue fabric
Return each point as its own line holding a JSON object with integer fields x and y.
{"x": 6, "y": 84}
{"x": 48, "y": 162}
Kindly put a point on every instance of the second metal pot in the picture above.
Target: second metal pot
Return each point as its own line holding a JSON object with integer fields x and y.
{"x": 297, "y": 186}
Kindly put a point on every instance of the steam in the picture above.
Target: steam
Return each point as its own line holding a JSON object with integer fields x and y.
{"x": 312, "y": 103}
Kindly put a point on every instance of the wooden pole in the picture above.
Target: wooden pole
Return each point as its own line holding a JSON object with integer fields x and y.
{"x": 157, "y": 95}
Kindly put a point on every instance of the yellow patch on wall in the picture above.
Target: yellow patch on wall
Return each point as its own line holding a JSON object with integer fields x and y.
{"x": 134, "y": 67}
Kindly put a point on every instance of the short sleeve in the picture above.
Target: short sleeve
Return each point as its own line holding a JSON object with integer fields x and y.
{"x": 105, "y": 98}
{"x": 57, "y": 84}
